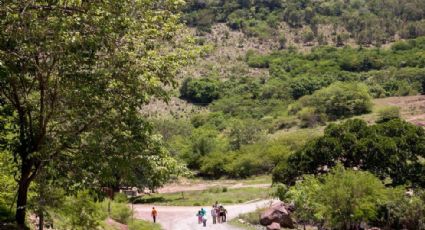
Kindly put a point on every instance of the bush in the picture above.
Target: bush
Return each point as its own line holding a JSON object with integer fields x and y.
{"x": 204, "y": 90}
{"x": 388, "y": 113}
{"x": 78, "y": 212}
{"x": 120, "y": 212}
{"x": 309, "y": 117}
{"x": 404, "y": 211}
{"x": 339, "y": 100}
{"x": 257, "y": 60}
{"x": 381, "y": 149}
{"x": 342, "y": 199}
{"x": 120, "y": 198}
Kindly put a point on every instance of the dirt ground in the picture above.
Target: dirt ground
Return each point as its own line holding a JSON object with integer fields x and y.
{"x": 184, "y": 218}
{"x": 412, "y": 108}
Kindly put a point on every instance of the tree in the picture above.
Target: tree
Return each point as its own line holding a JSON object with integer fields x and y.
{"x": 340, "y": 100}
{"x": 341, "y": 199}
{"x": 390, "y": 150}
{"x": 66, "y": 66}
{"x": 204, "y": 90}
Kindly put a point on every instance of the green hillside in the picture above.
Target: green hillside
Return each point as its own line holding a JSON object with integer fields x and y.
{"x": 234, "y": 136}
{"x": 366, "y": 21}
{"x": 319, "y": 103}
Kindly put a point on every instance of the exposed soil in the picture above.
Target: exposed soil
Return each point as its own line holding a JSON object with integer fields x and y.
{"x": 184, "y": 218}
{"x": 412, "y": 108}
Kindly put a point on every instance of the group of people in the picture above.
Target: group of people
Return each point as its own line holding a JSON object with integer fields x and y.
{"x": 218, "y": 214}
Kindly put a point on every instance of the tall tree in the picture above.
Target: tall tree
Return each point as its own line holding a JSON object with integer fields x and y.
{"x": 66, "y": 66}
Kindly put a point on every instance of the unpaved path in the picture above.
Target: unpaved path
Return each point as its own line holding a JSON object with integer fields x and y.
{"x": 183, "y": 218}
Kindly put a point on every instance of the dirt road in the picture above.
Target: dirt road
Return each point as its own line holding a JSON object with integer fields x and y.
{"x": 183, "y": 218}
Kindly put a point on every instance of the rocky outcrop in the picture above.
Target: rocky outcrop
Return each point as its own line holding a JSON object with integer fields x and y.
{"x": 277, "y": 216}
{"x": 274, "y": 226}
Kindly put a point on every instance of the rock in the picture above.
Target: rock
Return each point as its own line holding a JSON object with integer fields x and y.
{"x": 278, "y": 213}
{"x": 274, "y": 226}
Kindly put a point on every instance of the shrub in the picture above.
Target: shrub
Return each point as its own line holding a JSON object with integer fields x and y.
{"x": 203, "y": 90}
{"x": 404, "y": 211}
{"x": 388, "y": 113}
{"x": 78, "y": 212}
{"x": 342, "y": 199}
{"x": 381, "y": 149}
{"x": 120, "y": 212}
{"x": 310, "y": 117}
{"x": 120, "y": 198}
{"x": 339, "y": 100}
{"x": 257, "y": 60}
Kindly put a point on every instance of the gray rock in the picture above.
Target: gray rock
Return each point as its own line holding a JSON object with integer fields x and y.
{"x": 274, "y": 226}
{"x": 278, "y": 213}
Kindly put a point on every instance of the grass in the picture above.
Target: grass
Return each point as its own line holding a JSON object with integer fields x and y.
{"x": 206, "y": 197}
{"x": 261, "y": 179}
{"x": 134, "y": 225}
{"x": 251, "y": 220}
{"x": 235, "y": 222}
{"x": 143, "y": 225}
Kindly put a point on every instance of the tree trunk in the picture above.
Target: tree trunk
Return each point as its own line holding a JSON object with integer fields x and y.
{"x": 41, "y": 220}
{"x": 21, "y": 204}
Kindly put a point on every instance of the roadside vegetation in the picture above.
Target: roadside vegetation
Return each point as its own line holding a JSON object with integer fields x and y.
{"x": 207, "y": 197}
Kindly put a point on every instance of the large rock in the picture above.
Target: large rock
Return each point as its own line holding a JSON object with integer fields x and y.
{"x": 278, "y": 213}
{"x": 274, "y": 226}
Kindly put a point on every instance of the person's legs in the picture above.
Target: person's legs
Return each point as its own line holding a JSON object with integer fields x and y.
{"x": 205, "y": 222}
{"x": 214, "y": 219}
{"x": 154, "y": 219}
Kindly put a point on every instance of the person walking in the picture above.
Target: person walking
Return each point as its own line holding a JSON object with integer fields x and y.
{"x": 224, "y": 214}
{"x": 214, "y": 214}
{"x": 204, "y": 219}
{"x": 217, "y": 211}
{"x": 199, "y": 215}
{"x": 154, "y": 214}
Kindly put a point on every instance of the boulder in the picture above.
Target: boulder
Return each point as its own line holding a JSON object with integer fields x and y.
{"x": 274, "y": 226}
{"x": 278, "y": 213}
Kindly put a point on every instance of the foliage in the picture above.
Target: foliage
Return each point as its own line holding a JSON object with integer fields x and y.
{"x": 252, "y": 217}
{"x": 388, "y": 113}
{"x": 83, "y": 68}
{"x": 7, "y": 190}
{"x": 78, "y": 212}
{"x": 392, "y": 150}
{"x": 368, "y": 22}
{"x": 206, "y": 197}
{"x": 203, "y": 91}
{"x": 404, "y": 209}
{"x": 339, "y": 100}
{"x": 343, "y": 199}
{"x": 120, "y": 212}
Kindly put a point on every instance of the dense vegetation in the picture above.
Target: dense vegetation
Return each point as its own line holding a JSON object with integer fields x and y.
{"x": 73, "y": 76}
{"x": 391, "y": 150}
{"x": 303, "y": 90}
{"x": 366, "y": 21}
{"x": 346, "y": 198}
{"x": 74, "y": 89}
